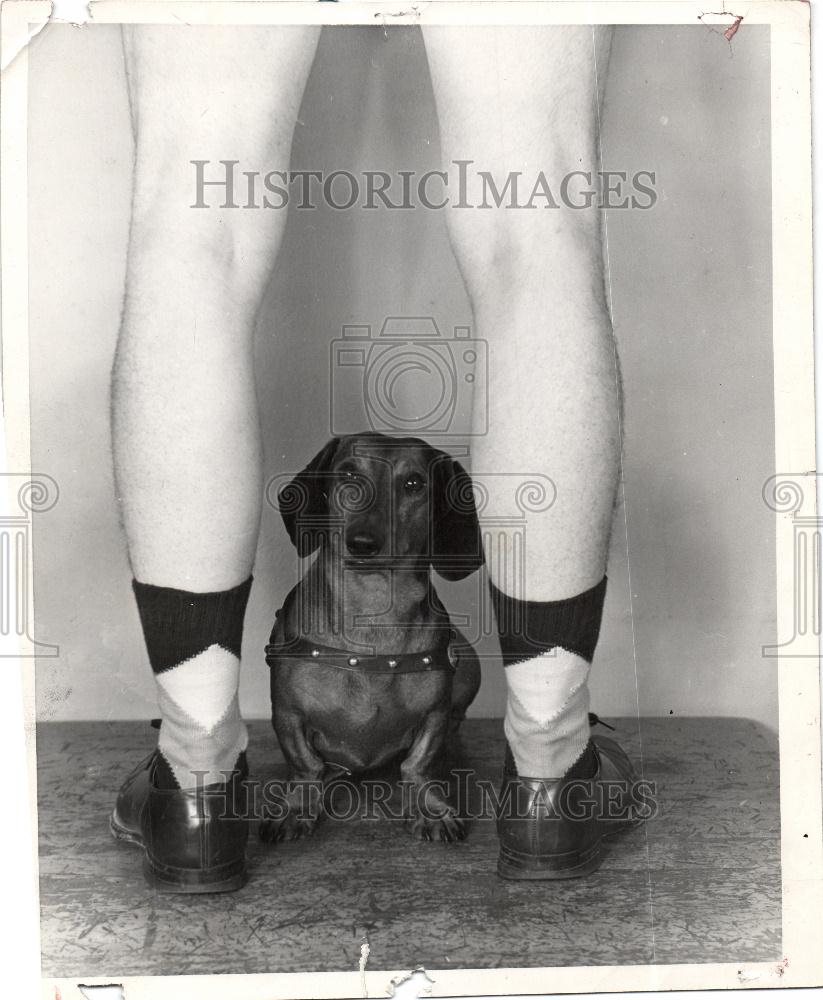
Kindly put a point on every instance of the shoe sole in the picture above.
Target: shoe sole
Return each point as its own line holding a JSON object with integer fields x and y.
{"x": 188, "y": 881}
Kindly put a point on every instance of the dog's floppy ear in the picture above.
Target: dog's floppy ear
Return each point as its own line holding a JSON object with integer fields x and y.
{"x": 304, "y": 502}
{"x": 456, "y": 546}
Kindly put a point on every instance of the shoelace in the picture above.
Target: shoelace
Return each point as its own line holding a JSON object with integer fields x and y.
{"x": 595, "y": 720}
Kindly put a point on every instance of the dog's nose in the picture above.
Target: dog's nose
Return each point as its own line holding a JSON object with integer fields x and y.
{"x": 362, "y": 544}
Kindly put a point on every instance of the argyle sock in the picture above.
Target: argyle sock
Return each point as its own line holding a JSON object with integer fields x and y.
{"x": 547, "y": 649}
{"x": 193, "y": 642}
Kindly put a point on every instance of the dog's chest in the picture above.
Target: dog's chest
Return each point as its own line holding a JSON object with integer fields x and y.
{"x": 327, "y": 690}
{"x": 358, "y": 707}
{"x": 357, "y": 720}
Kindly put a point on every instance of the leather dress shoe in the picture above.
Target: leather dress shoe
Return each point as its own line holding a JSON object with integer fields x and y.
{"x": 553, "y": 829}
{"x": 194, "y": 839}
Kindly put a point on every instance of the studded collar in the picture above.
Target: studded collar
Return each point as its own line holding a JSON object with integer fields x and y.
{"x": 436, "y": 658}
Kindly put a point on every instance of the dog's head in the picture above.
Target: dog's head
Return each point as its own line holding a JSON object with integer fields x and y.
{"x": 391, "y": 502}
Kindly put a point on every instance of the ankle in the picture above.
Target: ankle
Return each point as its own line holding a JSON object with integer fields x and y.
{"x": 165, "y": 778}
{"x": 547, "y": 722}
{"x": 197, "y": 756}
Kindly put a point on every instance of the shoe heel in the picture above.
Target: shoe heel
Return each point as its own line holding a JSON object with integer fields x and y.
{"x": 166, "y": 878}
{"x": 528, "y": 867}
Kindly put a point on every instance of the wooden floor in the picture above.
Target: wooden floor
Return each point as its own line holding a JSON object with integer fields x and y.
{"x": 699, "y": 883}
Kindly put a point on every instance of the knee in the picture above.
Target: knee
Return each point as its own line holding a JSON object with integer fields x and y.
{"x": 212, "y": 251}
{"x": 507, "y": 255}
{"x": 193, "y": 220}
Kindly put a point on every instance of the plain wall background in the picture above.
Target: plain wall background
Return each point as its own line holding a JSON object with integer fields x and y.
{"x": 691, "y": 287}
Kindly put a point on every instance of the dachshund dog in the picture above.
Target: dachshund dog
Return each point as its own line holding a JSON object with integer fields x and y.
{"x": 365, "y": 664}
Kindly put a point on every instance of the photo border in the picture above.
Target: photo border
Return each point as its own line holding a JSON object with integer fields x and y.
{"x": 798, "y": 674}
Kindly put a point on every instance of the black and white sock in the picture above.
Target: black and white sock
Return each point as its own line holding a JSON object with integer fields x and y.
{"x": 547, "y": 649}
{"x": 193, "y": 641}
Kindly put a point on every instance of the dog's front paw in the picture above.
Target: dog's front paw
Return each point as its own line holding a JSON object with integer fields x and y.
{"x": 290, "y": 827}
{"x": 292, "y": 812}
{"x": 447, "y": 826}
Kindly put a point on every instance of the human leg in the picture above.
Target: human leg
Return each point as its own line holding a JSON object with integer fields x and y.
{"x": 186, "y": 439}
{"x": 526, "y": 100}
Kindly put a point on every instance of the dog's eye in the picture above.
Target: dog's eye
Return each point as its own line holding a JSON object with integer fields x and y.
{"x": 413, "y": 484}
